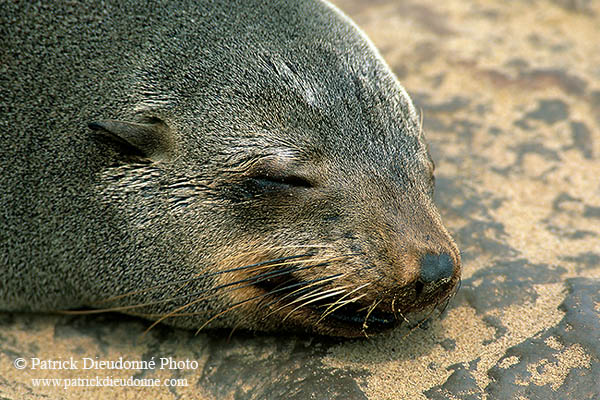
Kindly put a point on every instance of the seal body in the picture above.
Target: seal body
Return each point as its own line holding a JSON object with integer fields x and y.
{"x": 249, "y": 164}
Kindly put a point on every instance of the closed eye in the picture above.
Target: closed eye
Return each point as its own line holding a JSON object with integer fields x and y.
{"x": 281, "y": 181}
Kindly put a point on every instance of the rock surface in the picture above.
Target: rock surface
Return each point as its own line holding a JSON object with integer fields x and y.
{"x": 510, "y": 93}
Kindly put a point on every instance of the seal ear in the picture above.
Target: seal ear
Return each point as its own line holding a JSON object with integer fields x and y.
{"x": 151, "y": 140}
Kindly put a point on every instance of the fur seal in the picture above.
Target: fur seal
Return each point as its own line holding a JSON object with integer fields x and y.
{"x": 216, "y": 164}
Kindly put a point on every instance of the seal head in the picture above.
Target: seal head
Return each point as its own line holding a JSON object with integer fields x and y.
{"x": 254, "y": 165}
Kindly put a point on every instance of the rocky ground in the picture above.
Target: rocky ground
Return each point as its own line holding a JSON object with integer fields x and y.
{"x": 510, "y": 93}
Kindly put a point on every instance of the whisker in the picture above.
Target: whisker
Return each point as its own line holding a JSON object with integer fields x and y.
{"x": 315, "y": 292}
{"x": 447, "y": 301}
{"x": 252, "y": 280}
{"x": 327, "y": 312}
{"x": 306, "y": 292}
{"x": 312, "y": 260}
{"x": 371, "y": 309}
{"x": 259, "y": 268}
{"x": 403, "y": 317}
{"x": 419, "y": 324}
{"x": 241, "y": 303}
{"x": 262, "y": 295}
{"x": 313, "y": 300}
{"x": 304, "y": 286}
{"x": 269, "y": 263}
{"x": 273, "y": 248}
{"x": 341, "y": 304}
{"x": 393, "y": 303}
{"x": 185, "y": 281}
{"x": 307, "y": 287}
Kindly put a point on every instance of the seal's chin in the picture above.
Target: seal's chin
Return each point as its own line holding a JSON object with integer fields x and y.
{"x": 409, "y": 305}
{"x": 358, "y": 318}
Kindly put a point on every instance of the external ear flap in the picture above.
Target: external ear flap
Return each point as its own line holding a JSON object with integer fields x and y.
{"x": 151, "y": 140}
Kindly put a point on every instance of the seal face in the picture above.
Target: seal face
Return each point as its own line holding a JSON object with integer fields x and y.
{"x": 249, "y": 164}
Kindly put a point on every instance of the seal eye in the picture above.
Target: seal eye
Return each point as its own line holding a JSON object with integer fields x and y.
{"x": 280, "y": 182}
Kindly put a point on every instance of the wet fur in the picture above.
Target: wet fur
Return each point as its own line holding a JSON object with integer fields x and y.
{"x": 179, "y": 235}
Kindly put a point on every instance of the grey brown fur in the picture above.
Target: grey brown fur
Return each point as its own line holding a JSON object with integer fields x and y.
{"x": 224, "y": 134}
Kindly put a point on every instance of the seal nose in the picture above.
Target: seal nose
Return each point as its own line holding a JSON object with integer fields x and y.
{"x": 436, "y": 267}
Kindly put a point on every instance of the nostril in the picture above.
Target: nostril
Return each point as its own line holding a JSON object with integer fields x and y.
{"x": 435, "y": 267}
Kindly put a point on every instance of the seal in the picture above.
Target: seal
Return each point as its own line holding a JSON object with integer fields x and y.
{"x": 223, "y": 164}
